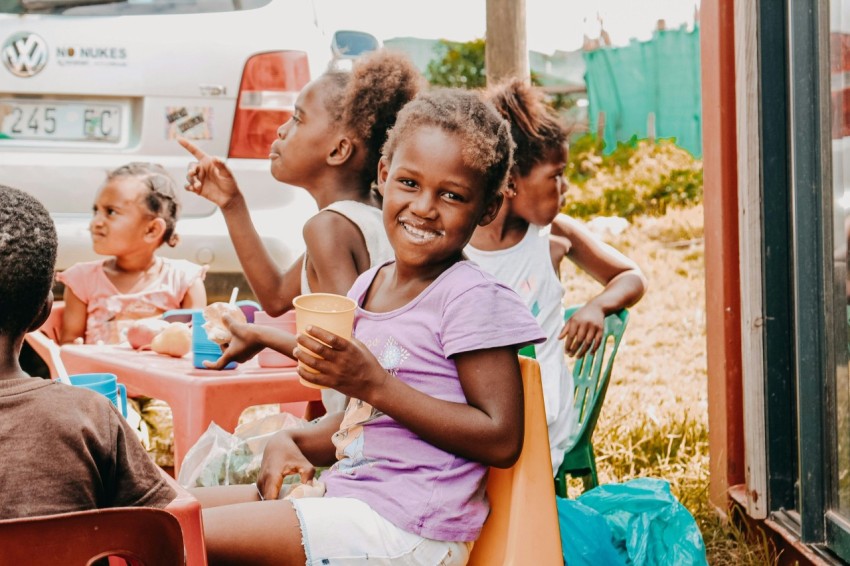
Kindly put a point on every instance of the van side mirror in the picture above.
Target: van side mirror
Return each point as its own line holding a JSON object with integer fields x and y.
{"x": 350, "y": 44}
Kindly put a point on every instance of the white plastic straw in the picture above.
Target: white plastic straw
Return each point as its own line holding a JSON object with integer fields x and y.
{"x": 61, "y": 372}
{"x": 233, "y": 295}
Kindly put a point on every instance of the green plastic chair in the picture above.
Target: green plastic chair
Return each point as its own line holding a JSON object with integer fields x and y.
{"x": 591, "y": 375}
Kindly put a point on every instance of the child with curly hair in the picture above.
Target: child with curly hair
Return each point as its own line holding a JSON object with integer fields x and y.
{"x": 529, "y": 238}
{"x": 64, "y": 448}
{"x": 134, "y": 213}
{"x": 432, "y": 372}
{"x": 330, "y": 147}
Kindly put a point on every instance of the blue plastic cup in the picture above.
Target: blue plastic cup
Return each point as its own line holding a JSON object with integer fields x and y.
{"x": 104, "y": 383}
{"x": 179, "y": 315}
{"x": 204, "y": 349}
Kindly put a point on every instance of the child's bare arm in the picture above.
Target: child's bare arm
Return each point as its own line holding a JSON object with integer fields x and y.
{"x": 211, "y": 179}
{"x": 273, "y": 288}
{"x": 603, "y": 262}
{"x": 196, "y": 296}
{"x": 331, "y": 239}
{"x": 332, "y": 268}
{"x": 297, "y": 452}
{"x": 488, "y": 429}
{"x": 73, "y": 318}
{"x": 624, "y": 284}
{"x": 248, "y": 340}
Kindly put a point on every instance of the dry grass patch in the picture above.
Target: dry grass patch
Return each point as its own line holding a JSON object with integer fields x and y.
{"x": 655, "y": 418}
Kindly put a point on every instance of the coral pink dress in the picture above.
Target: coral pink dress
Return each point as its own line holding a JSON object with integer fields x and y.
{"x": 110, "y": 312}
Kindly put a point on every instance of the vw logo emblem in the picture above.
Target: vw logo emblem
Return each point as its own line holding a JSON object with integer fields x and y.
{"x": 24, "y": 54}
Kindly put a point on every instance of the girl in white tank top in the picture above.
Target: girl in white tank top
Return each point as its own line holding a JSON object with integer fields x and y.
{"x": 526, "y": 243}
{"x": 330, "y": 147}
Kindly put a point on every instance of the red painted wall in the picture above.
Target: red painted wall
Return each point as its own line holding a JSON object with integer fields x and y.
{"x": 722, "y": 276}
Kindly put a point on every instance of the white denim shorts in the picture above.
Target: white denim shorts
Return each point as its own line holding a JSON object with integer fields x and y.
{"x": 341, "y": 531}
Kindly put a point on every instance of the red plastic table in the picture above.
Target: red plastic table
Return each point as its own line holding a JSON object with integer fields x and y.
{"x": 196, "y": 396}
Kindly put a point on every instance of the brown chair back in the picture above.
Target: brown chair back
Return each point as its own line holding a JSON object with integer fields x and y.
{"x": 142, "y": 536}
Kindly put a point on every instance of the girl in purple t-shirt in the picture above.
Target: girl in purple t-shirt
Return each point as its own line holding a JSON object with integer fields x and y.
{"x": 432, "y": 373}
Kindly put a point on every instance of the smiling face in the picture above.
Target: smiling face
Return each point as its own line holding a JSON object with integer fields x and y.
{"x": 301, "y": 143}
{"x": 120, "y": 221}
{"x": 432, "y": 200}
{"x": 540, "y": 194}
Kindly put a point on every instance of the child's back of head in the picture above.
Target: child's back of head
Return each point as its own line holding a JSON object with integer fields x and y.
{"x": 368, "y": 98}
{"x": 27, "y": 259}
{"x": 65, "y": 448}
{"x": 535, "y": 127}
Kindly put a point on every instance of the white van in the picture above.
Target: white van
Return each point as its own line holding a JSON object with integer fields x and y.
{"x": 88, "y": 85}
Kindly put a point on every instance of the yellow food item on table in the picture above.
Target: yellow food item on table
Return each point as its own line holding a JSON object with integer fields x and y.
{"x": 175, "y": 340}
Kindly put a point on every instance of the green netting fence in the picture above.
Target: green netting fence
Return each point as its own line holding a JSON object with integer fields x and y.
{"x": 656, "y": 80}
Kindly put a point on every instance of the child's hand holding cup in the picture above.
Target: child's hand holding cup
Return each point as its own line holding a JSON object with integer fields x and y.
{"x": 334, "y": 313}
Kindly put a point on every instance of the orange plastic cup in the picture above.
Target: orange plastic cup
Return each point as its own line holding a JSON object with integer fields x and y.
{"x": 334, "y": 313}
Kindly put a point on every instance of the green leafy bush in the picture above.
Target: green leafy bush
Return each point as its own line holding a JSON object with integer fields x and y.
{"x": 458, "y": 65}
{"x": 463, "y": 64}
{"x": 639, "y": 177}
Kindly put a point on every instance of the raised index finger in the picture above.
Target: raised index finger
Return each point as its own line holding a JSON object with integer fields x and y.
{"x": 191, "y": 148}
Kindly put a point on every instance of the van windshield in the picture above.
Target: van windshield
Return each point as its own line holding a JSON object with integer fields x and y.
{"x": 125, "y": 7}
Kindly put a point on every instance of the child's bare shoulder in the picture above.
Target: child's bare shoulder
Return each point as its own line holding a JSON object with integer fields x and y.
{"x": 327, "y": 224}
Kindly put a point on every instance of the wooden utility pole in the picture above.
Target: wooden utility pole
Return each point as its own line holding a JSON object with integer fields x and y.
{"x": 507, "y": 47}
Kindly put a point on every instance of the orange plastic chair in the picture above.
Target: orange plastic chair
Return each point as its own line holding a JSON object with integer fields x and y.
{"x": 45, "y": 340}
{"x": 138, "y": 535}
{"x": 522, "y": 528}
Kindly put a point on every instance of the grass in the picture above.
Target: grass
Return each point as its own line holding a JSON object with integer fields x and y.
{"x": 655, "y": 418}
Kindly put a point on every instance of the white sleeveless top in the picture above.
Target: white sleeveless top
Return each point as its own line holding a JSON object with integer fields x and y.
{"x": 527, "y": 269}
{"x": 370, "y": 222}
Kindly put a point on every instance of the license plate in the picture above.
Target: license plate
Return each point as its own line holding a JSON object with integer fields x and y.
{"x": 60, "y": 121}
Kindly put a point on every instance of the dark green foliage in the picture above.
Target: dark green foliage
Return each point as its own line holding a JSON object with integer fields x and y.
{"x": 622, "y": 201}
{"x": 583, "y": 208}
{"x": 458, "y": 65}
{"x": 622, "y": 153}
{"x": 674, "y": 180}
{"x": 464, "y": 65}
{"x": 679, "y": 188}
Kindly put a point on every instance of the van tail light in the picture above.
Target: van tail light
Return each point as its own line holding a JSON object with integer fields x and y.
{"x": 267, "y": 93}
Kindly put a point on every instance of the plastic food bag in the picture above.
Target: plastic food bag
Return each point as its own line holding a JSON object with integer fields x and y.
{"x": 222, "y": 458}
{"x": 643, "y": 523}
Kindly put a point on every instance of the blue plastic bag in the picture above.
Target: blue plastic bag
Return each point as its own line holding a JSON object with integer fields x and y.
{"x": 586, "y": 539}
{"x": 638, "y": 522}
